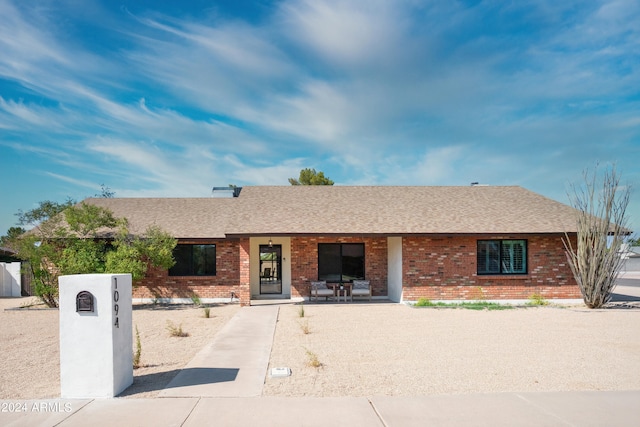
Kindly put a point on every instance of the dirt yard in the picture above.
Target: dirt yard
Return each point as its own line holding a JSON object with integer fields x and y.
{"x": 363, "y": 349}
{"x": 30, "y": 346}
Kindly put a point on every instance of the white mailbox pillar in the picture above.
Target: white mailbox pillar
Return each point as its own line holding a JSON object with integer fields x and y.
{"x": 96, "y": 349}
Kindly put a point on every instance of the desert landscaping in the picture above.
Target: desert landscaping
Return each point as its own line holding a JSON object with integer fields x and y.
{"x": 362, "y": 349}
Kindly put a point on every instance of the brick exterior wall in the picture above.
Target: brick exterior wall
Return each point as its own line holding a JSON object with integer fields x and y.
{"x": 158, "y": 283}
{"x": 304, "y": 262}
{"x": 438, "y": 268}
{"x": 244, "y": 291}
{"x": 445, "y": 268}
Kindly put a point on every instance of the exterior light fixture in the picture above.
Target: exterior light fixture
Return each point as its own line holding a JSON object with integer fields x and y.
{"x": 270, "y": 243}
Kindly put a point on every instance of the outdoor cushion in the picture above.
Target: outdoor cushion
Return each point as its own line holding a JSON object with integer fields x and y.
{"x": 361, "y": 288}
{"x": 320, "y": 289}
{"x": 361, "y": 284}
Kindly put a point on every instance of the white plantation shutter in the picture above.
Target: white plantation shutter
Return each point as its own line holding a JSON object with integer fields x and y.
{"x": 502, "y": 257}
{"x": 514, "y": 256}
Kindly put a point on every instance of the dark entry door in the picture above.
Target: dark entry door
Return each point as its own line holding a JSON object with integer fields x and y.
{"x": 270, "y": 269}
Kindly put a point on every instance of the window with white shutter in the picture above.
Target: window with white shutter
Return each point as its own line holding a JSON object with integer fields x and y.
{"x": 502, "y": 257}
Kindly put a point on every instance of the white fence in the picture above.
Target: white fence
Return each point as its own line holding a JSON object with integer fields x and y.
{"x": 10, "y": 279}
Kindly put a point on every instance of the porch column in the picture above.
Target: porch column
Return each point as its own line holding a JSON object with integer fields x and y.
{"x": 394, "y": 259}
{"x": 244, "y": 292}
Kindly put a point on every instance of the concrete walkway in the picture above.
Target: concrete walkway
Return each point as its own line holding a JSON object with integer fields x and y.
{"x": 222, "y": 386}
{"x": 235, "y": 363}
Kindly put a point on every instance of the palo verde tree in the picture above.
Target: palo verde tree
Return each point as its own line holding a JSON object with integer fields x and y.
{"x": 83, "y": 238}
{"x": 594, "y": 257}
{"x": 311, "y": 177}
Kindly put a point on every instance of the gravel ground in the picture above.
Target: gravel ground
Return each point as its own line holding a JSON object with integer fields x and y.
{"x": 364, "y": 349}
{"x": 397, "y": 350}
{"x": 29, "y": 346}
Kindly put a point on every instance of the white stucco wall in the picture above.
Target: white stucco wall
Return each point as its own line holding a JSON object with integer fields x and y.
{"x": 394, "y": 257}
{"x": 10, "y": 279}
{"x": 96, "y": 348}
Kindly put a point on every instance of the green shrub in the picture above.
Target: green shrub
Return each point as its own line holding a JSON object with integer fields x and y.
{"x": 196, "y": 300}
{"x": 484, "y": 305}
{"x": 471, "y": 305}
{"x": 537, "y": 300}
{"x": 424, "y": 302}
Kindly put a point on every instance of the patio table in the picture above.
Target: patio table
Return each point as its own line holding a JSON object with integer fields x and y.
{"x": 341, "y": 291}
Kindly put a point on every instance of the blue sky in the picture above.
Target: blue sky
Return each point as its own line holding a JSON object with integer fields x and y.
{"x": 162, "y": 98}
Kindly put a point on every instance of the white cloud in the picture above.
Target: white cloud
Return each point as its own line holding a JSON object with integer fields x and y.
{"x": 82, "y": 183}
{"x": 38, "y": 54}
{"x": 405, "y": 92}
{"x": 346, "y": 33}
{"x": 435, "y": 166}
{"x": 16, "y": 115}
{"x": 219, "y": 68}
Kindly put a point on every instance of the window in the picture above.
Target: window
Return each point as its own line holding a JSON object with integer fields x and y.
{"x": 340, "y": 262}
{"x": 502, "y": 256}
{"x": 194, "y": 260}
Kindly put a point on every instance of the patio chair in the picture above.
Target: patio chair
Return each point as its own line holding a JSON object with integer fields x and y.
{"x": 320, "y": 289}
{"x": 361, "y": 288}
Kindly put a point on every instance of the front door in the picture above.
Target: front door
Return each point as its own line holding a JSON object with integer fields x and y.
{"x": 270, "y": 269}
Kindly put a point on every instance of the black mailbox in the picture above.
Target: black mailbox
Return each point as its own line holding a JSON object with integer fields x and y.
{"x": 84, "y": 302}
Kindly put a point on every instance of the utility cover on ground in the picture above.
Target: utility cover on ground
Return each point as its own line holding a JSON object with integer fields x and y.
{"x": 280, "y": 372}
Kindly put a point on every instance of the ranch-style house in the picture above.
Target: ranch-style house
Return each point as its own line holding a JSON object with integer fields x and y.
{"x": 441, "y": 243}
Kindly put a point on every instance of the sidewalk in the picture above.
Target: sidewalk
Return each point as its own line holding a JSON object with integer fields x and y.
{"x": 615, "y": 408}
{"x": 222, "y": 386}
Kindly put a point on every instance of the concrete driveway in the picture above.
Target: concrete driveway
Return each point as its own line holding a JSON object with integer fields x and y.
{"x": 627, "y": 288}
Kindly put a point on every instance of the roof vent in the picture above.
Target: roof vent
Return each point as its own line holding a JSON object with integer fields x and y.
{"x": 225, "y": 192}
{"x": 477, "y": 184}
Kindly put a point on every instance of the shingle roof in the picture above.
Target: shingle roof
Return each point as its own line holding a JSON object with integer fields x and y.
{"x": 7, "y": 251}
{"x": 282, "y": 210}
{"x": 181, "y": 217}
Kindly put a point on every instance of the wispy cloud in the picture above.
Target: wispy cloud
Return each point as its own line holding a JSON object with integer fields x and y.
{"x": 404, "y": 92}
{"x": 83, "y": 183}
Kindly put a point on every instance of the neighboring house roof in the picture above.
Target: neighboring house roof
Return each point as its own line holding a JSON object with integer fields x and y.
{"x": 6, "y": 251}
{"x": 8, "y": 255}
{"x": 283, "y": 210}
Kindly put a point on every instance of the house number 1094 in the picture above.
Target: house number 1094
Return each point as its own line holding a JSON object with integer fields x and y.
{"x": 116, "y": 297}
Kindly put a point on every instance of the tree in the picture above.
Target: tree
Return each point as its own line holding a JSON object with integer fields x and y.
{"x": 43, "y": 212}
{"x": 311, "y": 177}
{"x": 40, "y": 257}
{"x": 45, "y": 215}
{"x": 84, "y": 239}
{"x": 133, "y": 254}
{"x": 105, "y": 192}
{"x": 12, "y": 233}
{"x": 601, "y": 229}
